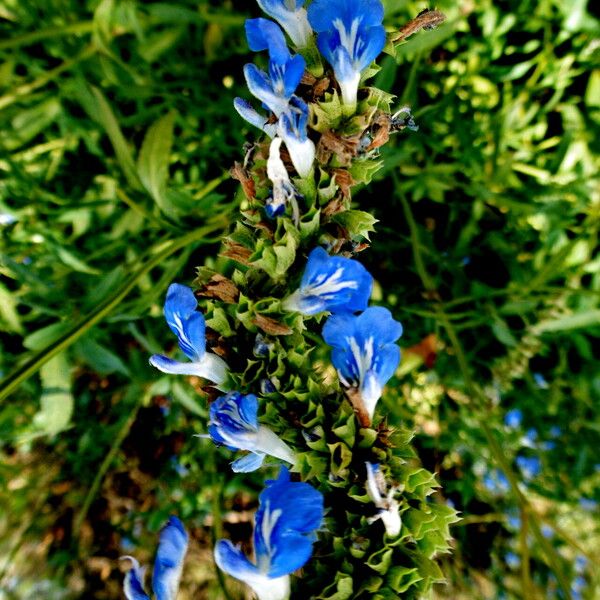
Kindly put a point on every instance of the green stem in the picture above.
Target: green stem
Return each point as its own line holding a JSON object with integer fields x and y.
{"x": 51, "y": 75}
{"x": 161, "y": 252}
{"x": 106, "y": 463}
{"x": 35, "y": 36}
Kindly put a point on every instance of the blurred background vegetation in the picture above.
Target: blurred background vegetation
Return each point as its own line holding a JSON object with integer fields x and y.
{"x": 116, "y": 135}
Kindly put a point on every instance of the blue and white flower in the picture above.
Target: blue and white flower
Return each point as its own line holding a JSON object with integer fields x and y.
{"x": 383, "y": 498}
{"x": 283, "y": 189}
{"x": 293, "y": 128}
{"x": 351, "y": 36}
{"x": 168, "y": 565}
{"x": 234, "y": 422}
{"x": 364, "y": 352}
{"x": 288, "y": 515}
{"x": 291, "y": 15}
{"x": 189, "y": 327}
{"x": 285, "y": 71}
{"x": 332, "y": 283}
{"x": 252, "y": 116}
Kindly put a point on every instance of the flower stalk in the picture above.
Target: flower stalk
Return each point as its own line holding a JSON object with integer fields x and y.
{"x": 293, "y": 336}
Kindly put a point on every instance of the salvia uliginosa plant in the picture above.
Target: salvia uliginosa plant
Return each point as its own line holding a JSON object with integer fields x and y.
{"x": 298, "y": 356}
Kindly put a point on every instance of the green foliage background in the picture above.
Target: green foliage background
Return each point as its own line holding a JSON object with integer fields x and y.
{"x": 116, "y": 135}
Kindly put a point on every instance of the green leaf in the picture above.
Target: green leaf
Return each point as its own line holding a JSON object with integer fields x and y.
{"x": 99, "y": 109}
{"x": 99, "y": 358}
{"x": 358, "y": 223}
{"x": 56, "y": 402}
{"x": 153, "y": 160}
{"x": 579, "y": 320}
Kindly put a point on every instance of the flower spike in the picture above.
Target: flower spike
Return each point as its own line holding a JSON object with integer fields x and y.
{"x": 383, "y": 498}
{"x": 331, "y": 283}
{"x": 189, "y": 327}
{"x": 293, "y": 129}
{"x": 285, "y": 71}
{"x": 351, "y": 36}
{"x": 291, "y": 15}
{"x": 168, "y": 565}
{"x": 364, "y": 352}
{"x": 288, "y": 515}
{"x": 234, "y": 422}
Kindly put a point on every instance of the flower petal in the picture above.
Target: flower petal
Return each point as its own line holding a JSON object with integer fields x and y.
{"x": 263, "y": 34}
{"x": 288, "y": 514}
{"x": 233, "y": 561}
{"x": 331, "y": 283}
{"x": 249, "y": 114}
{"x": 260, "y": 87}
{"x": 248, "y": 463}
{"x": 211, "y": 367}
{"x": 292, "y": 17}
{"x": 133, "y": 584}
{"x": 185, "y": 322}
{"x": 169, "y": 560}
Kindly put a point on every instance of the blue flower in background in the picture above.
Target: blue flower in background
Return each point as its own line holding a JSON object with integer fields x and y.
{"x": 234, "y": 422}
{"x": 530, "y": 466}
{"x": 288, "y": 515}
{"x": 331, "y": 283}
{"x": 168, "y": 565}
{"x": 293, "y": 129}
{"x": 496, "y": 482}
{"x": 351, "y": 36}
{"x": 513, "y": 418}
{"x": 291, "y": 15}
{"x": 285, "y": 71}
{"x": 512, "y": 560}
{"x": 364, "y": 352}
{"x": 189, "y": 327}
{"x": 250, "y": 114}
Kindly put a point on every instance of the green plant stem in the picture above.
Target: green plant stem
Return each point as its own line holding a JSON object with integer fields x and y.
{"x": 28, "y": 88}
{"x": 155, "y": 256}
{"x": 481, "y": 402}
{"x": 106, "y": 463}
{"x": 33, "y": 37}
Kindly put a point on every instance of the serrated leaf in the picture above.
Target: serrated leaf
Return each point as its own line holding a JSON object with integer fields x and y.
{"x": 358, "y": 223}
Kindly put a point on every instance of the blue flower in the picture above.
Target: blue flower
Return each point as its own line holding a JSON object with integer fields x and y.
{"x": 284, "y": 532}
{"x": 513, "y": 418}
{"x": 293, "y": 129}
{"x": 188, "y": 325}
{"x": 234, "y": 422}
{"x": 364, "y": 352}
{"x": 331, "y": 283}
{"x": 291, "y": 15}
{"x": 283, "y": 190}
{"x": 530, "y": 466}
{"x": 351, "y": 36}
{"x": 383, "y": 498}
{"x": 168, "y": 565}
{"x": 285, "y": 71}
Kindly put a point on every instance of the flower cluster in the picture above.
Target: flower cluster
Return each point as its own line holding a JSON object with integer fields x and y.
{"x": 363, "y": 345}
{"x": 296, "y": 284}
